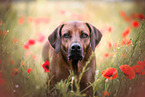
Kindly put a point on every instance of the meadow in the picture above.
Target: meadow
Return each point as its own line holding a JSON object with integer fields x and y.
{"x": 120, "y": 56}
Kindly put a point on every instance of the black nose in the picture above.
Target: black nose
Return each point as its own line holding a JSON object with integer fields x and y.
{"x": 75, "y": 47}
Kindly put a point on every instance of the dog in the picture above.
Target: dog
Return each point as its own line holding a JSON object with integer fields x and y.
{"x": 68, "y": 48}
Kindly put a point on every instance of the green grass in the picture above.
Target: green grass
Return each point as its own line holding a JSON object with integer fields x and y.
{"x": 100, "y": 14}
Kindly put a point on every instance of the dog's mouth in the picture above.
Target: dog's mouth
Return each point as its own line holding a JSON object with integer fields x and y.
{"x": 75, "y": 55}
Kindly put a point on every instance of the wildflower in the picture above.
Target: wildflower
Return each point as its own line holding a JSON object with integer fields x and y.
{"x": 135, "y": 24}
{"x": 109, "y": 45}
{"x": 122, "y": 13}
{"x": 22, "y": 63}
{"x": 31, "y": 42}
{"x": 15, "y": 71}
{"x": 106, "y": 28}
{"x": 26, "y": 45}
{"x": 21, "y": 20}
{"x": 137, "y": 69}
{"x": 126, "y": 32}
{"x": 0, "y": 61}
{"x": 106, "y": 93}
{"x": 15, "y": 40}
{"x": 4, "y": 33}
{"x": 12, "y": 62}
{"x": 29, "y": 70}
{"x": 128, "y": 71}
{"x": 109, "y": 29}
{"x": 142, "y": 64}
{"x": 45, "y": 66}
{"x": 126, "y": 41}
{"x": 141, "y": 16}
{"x": 106, "y": 55}
{"x": 110, "y": 73}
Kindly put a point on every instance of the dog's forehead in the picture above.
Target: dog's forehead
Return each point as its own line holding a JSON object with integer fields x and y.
{"x": 75, "y": 25}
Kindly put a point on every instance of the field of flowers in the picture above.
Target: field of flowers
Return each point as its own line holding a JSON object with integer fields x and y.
{"x": 120, "y": 56}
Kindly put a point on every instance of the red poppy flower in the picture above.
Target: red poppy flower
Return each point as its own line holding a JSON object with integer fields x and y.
{"x": 135, "y": 24}
{"x": 142, "y": 64}
{"x": 122, "y": 13}
{"x": 109, "y": 29}
{"x": 21, "y": 19}
{"x": 15, "y": 40}
{"x": 110, "y": 73}
{"x": 126, "y": 32}
{"x": 0, "y": 61}
{"x": 109, "y": 45}
{"x": 106, "y": 93}
{"x": 15, "y": 72}
{"x": 29, "y": 70}
{"x": 126, "y": 41}
{"x": 106, "y": 55}
{"x": 12, "y": 62}
{"x": 22, "y": 63}
{"x": 4, "y": 33}
{"x": 141, "y": 16}
{"x": 137, "y": 69}
{"x": 31, "y": 42}
{"x": 128, "y": 71}
{"x": 45, "y": 66}
{"x": 26, "y": 45}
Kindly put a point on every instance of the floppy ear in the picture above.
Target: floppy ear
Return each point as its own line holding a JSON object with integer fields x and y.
{"x": 54, "y": 38}
{"x": 95, "y": 36}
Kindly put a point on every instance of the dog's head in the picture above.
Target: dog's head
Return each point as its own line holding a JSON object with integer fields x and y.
{"x": 75, "y": 38}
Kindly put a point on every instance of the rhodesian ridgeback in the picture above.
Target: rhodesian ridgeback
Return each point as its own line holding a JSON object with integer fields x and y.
{"x": 68, "y": 48}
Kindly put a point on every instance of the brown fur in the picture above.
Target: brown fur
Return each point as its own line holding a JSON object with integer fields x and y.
{"x": 56, "y": 51}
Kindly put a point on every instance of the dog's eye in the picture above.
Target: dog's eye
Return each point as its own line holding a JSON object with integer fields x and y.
{"x": 84, "y": 35}
{"x": 67, "y": 35}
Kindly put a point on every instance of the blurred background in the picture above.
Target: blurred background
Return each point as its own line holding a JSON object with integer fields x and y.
{"x": 26, "y": 24}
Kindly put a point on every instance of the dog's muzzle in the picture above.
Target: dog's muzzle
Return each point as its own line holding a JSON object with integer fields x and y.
{"x": 75, "y": 52}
